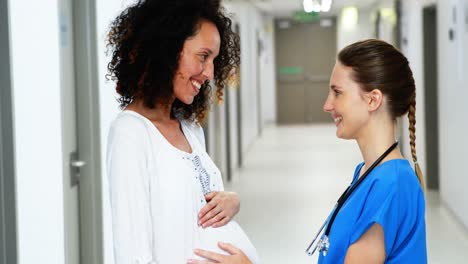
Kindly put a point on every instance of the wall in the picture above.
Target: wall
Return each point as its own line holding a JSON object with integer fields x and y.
{"x": 34, "y": 29}
{"x": 412, "y": 47}
{"x": 453, "y": 110}
{"x": 268, "y": 71}
{"x": 249, "y": 25}
{"x": 349, "y": 33}
{"x": 452, "y": 79}
{"x": 258, "y": 104}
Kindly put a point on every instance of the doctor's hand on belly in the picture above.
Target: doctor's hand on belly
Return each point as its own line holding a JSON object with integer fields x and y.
{"x": 220, "y": 209}
{"x": 236, "y": 256}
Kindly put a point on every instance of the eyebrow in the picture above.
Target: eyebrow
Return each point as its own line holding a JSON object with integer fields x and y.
{"x": 335, "y": 87}
{"x": 208, "y": 50}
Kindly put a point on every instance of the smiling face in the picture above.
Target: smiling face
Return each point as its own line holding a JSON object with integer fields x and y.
{"x": 347, "y": 103}
{"x": 196, "y": 62}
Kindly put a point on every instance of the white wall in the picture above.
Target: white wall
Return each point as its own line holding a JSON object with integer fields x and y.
{"x": 249, "y": 25}
{"x": 452, "y": 79}
{"x": 253, "y": 22}
{"x": 453, "y": 110}
{"x": 268, "y": 71}
{"x": 411, "y": 32}
{"x": 349, "y": 33}
{"x": 34, "y": 29}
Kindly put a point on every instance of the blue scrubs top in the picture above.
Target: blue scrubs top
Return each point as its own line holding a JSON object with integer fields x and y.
{"x": 392, "y": 197}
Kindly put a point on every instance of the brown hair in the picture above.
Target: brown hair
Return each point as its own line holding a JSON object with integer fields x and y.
{"x": 378, "y": 65}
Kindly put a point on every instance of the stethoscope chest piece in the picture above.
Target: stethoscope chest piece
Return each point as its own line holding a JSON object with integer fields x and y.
{"x": 323, "y": 245}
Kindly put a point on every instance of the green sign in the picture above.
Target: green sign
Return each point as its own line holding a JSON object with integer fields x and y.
{"x": 290, "y": 70}
{"x": 303, "y": 16}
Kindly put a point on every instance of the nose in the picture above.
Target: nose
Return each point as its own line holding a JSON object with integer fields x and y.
{"x": 328, "y": 106}
{"x": 208, "y": 71}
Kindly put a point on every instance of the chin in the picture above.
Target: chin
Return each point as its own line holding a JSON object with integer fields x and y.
{"x": 187, "y": 101}
{"x": 342, "y": 135}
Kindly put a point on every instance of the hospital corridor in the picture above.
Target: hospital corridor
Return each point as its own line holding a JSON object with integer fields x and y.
{"x": 272, "y": 101}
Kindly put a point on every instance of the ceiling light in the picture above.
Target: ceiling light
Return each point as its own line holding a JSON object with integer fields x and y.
{"x": 326, "y": 5}
{"x": 316, "y": 7}
{"x": 349, "y": 17}
{"x": 308, "y": 5}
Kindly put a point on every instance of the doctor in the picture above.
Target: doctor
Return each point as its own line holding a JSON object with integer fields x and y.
{"x": 380, "y": 216}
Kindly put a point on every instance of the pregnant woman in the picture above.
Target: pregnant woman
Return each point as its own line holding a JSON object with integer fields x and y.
{"x": 166, "y": 194}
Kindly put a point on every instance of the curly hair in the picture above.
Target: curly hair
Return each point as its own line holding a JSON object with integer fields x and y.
{"x": 146, "y": 40}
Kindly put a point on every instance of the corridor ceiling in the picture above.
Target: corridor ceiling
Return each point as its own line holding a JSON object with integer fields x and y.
{"x": 284, "y": 8}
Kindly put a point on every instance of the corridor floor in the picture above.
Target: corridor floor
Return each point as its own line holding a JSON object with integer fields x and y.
{"x": 289, "y": 182}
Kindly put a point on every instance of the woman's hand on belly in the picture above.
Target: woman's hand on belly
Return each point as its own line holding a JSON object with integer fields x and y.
{"x": 220, "y": 209}
{"x": 236, "y": 256}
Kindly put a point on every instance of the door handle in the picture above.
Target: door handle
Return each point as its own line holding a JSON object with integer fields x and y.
{"x": 75, "y": 168}
{"x": 77, "y": 163}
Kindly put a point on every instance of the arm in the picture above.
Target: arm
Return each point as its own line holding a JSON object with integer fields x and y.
{"x": 129, "y": 197}
{"x": 369, "y": 249}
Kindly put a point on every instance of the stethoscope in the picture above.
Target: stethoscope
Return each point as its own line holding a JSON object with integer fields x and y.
{"x": 324, "y": 243}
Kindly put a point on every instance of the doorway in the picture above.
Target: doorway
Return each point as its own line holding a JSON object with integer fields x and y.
{"x": 81, "y": 133}
{"x": 305, "y": 55}
{"x": 430, "y": 92}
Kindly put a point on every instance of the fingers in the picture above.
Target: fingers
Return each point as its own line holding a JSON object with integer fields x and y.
{"x": 211, "y": 257}
{"x": 210, "y": 196}
{"x": 221, "y": 208}
{"x": 229, "y": 248}
{"x": 222, "y": 222}
{"x": 207, "y": 208}
{"x": 213, "y": 216}
{"x": 217, "y": 221}
{"x": 196, "y": 261}
{"x": 235, "y": 255}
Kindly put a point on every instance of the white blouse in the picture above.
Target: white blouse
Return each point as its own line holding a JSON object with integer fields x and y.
{"x": 157, "y": 191}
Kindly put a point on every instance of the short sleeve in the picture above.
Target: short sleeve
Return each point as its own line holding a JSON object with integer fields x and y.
{"x": 129, "y": 196}
{"x": 381, "y": 207}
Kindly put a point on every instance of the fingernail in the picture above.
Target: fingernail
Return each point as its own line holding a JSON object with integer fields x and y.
{"x": 196, "y": 251}
{"x": 190, "y": 261}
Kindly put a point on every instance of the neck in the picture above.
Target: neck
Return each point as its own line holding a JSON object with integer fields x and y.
{"x": 160, "y": 113}
{"x": 375, "y": 141}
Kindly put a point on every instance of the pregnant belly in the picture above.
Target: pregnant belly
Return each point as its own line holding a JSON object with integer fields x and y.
{"x": 230, "y": 233}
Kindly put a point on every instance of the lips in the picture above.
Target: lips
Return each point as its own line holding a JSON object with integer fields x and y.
{"x": 196, "y": 84}
{"x": 337, "y": 119}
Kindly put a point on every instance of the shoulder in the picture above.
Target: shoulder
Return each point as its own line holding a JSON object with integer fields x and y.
{"x": 195, "y": 127}
{"x": 192, "y": 125}
{"x": 130, "y": 125}
{"x": 396, "y": 172}
{"x": 396, "y": 178}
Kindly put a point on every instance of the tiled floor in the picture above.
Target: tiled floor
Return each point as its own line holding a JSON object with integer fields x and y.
{"x": 291, "y": 178}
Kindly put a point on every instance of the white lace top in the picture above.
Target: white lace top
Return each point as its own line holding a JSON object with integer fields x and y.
{"x": 156, "y": 192}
